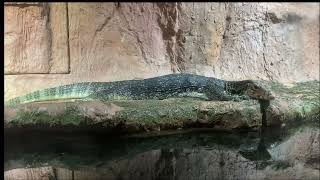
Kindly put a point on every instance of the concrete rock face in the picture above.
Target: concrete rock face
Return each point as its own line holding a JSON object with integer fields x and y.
{"x": 36, "y": 39}
{"x": 121, "y": 41}
{"x": 270, "y": 41}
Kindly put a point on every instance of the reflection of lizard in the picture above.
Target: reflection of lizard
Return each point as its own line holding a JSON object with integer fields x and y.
{"x": 162, "y": 87}
{"x": 117, "y": 4}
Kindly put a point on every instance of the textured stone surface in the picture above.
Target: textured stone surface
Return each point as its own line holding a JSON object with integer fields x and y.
{"x": 36, "y": 38}
{"x": 136, "y": 116}
{"x": 43, "y": 173}
{"x": 60, "y": 58}
{"x": 301, "y": 147}
{"x": 295, "y": 104}
{"x": 271, "y": 41}
{"x": 26, "y": 39}
{"x": 120, "y": 41}
{"x": 62, "y": 173}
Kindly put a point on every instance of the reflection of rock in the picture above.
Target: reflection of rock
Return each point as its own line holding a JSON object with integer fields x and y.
{"x": 181, "y": 157}
{"x": 302, "y": 147}
{"x": 165, "y": 166}
{"x": 190, "y": 164}
{"x": 253, "y": 148}
{"x": 43, "y": 173}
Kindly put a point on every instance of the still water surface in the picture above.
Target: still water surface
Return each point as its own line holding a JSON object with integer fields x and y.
{"x": 192, "y": 155}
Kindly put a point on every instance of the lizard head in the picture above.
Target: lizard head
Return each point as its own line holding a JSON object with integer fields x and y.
{"x": 249, "y": 88}
{"x": 255, "y": 91}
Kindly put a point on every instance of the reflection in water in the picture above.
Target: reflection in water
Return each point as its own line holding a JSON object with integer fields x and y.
{"x": 204, "y": 155}
{"x": 254, "y": 148}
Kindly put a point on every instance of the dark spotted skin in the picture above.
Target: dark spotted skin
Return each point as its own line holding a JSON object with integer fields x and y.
{"x": 162, "y": 87}
{"x": 167, "y": 86}
{"x": 249, "y": 89}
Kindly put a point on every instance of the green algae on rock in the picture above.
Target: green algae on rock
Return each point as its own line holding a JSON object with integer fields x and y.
{"x": 142, "y": 115}
{"x": 292, "y": 105}
{"x": 295, "y": 105}
{"x": 70, "y": 116}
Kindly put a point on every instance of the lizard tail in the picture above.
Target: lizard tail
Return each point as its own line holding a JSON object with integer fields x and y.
{"x": 73, "y": 91}
{"x": 31, "y": 97}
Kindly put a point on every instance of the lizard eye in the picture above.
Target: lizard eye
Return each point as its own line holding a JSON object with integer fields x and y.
{"x": 255, "y": 87}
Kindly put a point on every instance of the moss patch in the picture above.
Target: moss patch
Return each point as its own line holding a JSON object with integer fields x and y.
{"x": 293, "y": 105}
{"x": 158, "y": 112}
{"x": 299, "y": 103}
{"x": 71, "y": 116}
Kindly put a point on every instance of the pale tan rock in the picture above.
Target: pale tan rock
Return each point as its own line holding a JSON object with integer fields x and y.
{"x": 63, "y": 173}
{"x": 83, "y": 175}
{"x": 286, "y": 50}
{"x": 36, "y": 38}
{"x": 302, "y": 147}
{"x": 41, "y": 173}
{"x": 121, "y": 41}
{"x": 59, "y": 62}
{"x": 26, "y": 40}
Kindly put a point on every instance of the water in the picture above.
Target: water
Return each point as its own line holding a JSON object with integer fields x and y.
{"x": 193, "y": 155}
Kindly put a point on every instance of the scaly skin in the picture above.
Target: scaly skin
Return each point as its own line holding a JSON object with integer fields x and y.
{"x": 162, "y": 87}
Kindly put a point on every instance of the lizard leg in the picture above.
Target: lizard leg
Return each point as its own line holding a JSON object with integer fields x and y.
{"x": 223, "y": 96}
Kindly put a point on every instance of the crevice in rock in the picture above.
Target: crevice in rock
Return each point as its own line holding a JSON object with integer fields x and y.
{"x": 68, "y": 40}
{"x": 24, "y": 4}
{"x": 273, "y": 18}
{"x": 72, "y": 174}
{"x": 104, "y": 24}
{"x": 106, "y": 21}
{"x": 55, "y": 176}
{"x": 173, "y": 36}
{"x": 226, "y": 28}
{"x": 134, "y": 32}
{"x": 46, "y": 12}
{"x": 227, "y": 24}
{"x": 263, "y": 40}
{"x": 143, "y": 53}
{"x": 117, "y": 4}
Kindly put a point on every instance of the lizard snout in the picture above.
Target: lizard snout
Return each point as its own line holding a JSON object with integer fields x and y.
{"x": 270, "y": 96}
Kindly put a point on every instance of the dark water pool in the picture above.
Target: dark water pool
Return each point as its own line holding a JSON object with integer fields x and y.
{"x": 193, "y": 155}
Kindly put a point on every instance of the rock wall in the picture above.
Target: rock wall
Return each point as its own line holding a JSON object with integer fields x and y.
{"x": 120, "y": 41}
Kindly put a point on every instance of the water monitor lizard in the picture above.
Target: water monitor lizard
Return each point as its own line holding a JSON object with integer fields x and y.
{"x": 162, "y": 87}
